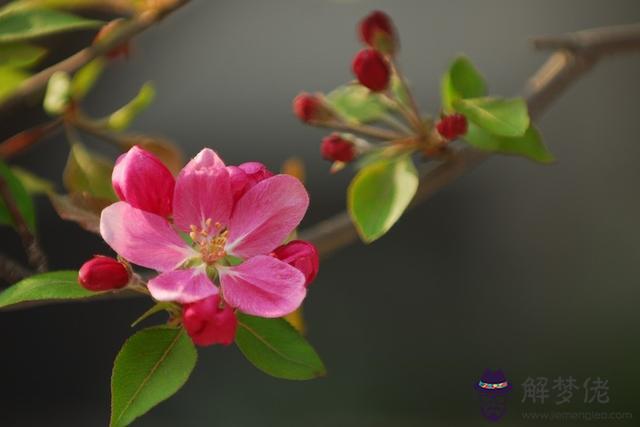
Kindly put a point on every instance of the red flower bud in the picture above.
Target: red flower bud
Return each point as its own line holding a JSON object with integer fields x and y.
{"x": 310, "y": 108}
{"x": 122, "y": 50}
{"x": 301, "y": 255}
{"x": 102, "y": 273}
{"x": 207, "y": 323}
{"x": 376, "y": 30}
{"x": 371, "y": 69}
{"x": 245, "y": 176}
{"x": 452, "y": 126}
{"x": 336, "y": 148}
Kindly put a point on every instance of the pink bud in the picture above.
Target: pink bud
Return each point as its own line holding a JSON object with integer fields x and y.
{"x": 371, "y": 69}
{"x": 336, "y": 148}
{"x": 102, "y": 273}
{"x": 245, "y": 176}
{"x": 310, "y": 108}
{"x": 376, "y": 30}
{"x": 207, "y": 323}
{"x": 142, "y": 180}
{"x": 301, "y": 255}
{"x": 452, "y": 126}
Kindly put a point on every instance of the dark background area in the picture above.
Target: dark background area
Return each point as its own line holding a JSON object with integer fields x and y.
{"x": 532, "y": 269}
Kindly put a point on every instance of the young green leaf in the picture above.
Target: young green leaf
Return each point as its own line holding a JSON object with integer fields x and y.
{"x": 502, "y": 117}
{"x": 56, "y": 99}
{"x": 33, "y": 183}
{"x": 84, "y": 79}
{"x": 379, "y": 194}
{"x": 461, "y": 81}
{"x": 277, "y": 349}
{"x": 88, "y": 172}
{"x": 20, "y": 55}
{"x": 10, "y": 79}
{"x": 151, "y": 366}
{"x": 529, "y": 145}
{"x": 20, "y": 196}
{"x": 19, "y": 24}
{"x": 55, "y": 285}
{"x": 122, "y": 118}
{"x": 356, "y": 103}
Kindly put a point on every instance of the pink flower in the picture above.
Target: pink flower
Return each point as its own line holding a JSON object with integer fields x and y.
{"x": 208, "y": 323}
{"x": 301, "y": 255}
{"x": 230, "y": 241}
{"x": 245, "y": 176}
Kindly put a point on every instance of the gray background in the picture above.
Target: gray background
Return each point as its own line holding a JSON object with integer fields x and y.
{"x": 532, "y": 269}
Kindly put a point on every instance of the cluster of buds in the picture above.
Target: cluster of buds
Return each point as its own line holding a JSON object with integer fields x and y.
{"x": 375, "y": 68}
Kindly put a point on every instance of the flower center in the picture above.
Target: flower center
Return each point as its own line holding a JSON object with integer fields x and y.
{"x": 210, "y": 241}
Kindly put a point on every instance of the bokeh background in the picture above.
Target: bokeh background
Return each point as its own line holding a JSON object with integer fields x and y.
{"x": 532, "y": 269}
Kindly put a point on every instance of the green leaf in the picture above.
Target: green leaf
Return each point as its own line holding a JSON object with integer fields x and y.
{"x": 156, "y": 308}
{"x": 55, "y": 285}
{"x": 502, "y": 117}
{"x": 20, "y": 55}
{"x": 277, "y": 349}
{"x": 20, "y": 196}
{"x": 529, "y": 145}
{"x": 152, "y": 365}
{"x": 379, "y": 194}
{"x": 122, "y": 118}
{"x": 33, "y": 183}
{"x": 56, "y": 99}
{"x": 19, "y": 24}
{"x": 399, "y": 91}
{"x": 461, "y": 81}
{"x": 84, "y": 79}
{"x": 88, "y": 172}
{"x": 357, "y": 103}
{"x": 10, "y": 79}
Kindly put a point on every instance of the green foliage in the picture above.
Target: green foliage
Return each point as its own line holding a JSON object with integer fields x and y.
{"x": 152, "y": 365}
{"x": 88, "y": 172}
{"x": 33, "y": 183}
{"x": 20, "y": 55}
{"x": 529, "y": 145}
{"x": 84, "y": 79}
{"x": 502, "y": 117}
{"x": 10, "y": 79}
{"x": 20, "y": 24}
{"x": 400, "y": 92}
{"x": 58, "y": 95}
{"x": 20, "y": 196}
{"x": 461, "y": 81}
{"x": 356, "y": 103}
{"x": 277, "y": 349}
{"x": 379, "y": 194}
{"x": 122, "y": 118}
{"x": 55, "y": 285}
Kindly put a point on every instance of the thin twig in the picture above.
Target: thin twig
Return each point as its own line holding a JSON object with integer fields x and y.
{"x": 12, "y": 271}
{"x": 37, "y": 83}
{"x": 22, "y": 141}
{"x": 36, "y": 256}
{"x": 366, "y": 130}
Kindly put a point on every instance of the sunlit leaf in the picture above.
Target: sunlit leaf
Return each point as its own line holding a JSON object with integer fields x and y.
{"x": 19, "y": 24}
{"x": 357, "y": 103}
{"x": 84, "y": 79}
{"x": 79, "y": 208}
{"x": 276, "y": 348}
{"x": 55, "y": 285}
{"x": 503, "y": 117}
{"x": 151, "y": 366}
{"x": 58, "y": 94}
{"x": 529, "y": 145}
{"x": 296, "y": 319}
{"x": 20, "y": 55}
{"x": 22, "y": 199}
{"x": 10, "y": 79}
{"x": 379, "y": 194}
{"x": 122, "y": 118}
{"x": 462, "y": 80}
{"x": 33, "y": 183}
{"x": 88, "y": 172}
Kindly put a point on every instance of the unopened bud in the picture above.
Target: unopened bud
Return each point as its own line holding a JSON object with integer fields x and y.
{"x": 452, "y": 126}
{"x": 102, "y": 273}
{"x": 310, "y": 108}
{"x": 371, "y": 69}
{"x": 336, "y": 148}
{"x": 208, "y": 323}
{"x": 301, "y": 255}
{"x": 376, "y": 30}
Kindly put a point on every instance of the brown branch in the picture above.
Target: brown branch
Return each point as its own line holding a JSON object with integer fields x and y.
{"x": 579, "y": 52}
{"x": 12, "y": 271}
{"x": 22, "y": 141}
{"x": 36, "y": 84}
{"x": 36, "y": 256}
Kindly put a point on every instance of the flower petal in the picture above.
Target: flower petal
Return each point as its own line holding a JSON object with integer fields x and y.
{"x": 263, "y": 286}
{"x": 265, "y": 216}
{"x": 143, "y": 238}
{"x": 203, "y": 191}
{"x": 142, "y": 180}
{"x": 183, "y": 286}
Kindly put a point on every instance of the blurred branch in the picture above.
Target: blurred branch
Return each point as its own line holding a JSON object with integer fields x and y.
{"x": 577, "y": 53}
{"x": 25, "y": 139}
{"x": 38, "y": 82}
{"x": 12, "y": 271}
{"x": 36, "y": 256}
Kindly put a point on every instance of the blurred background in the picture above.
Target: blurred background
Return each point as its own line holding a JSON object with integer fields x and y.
{"x": 531, "y": 269}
